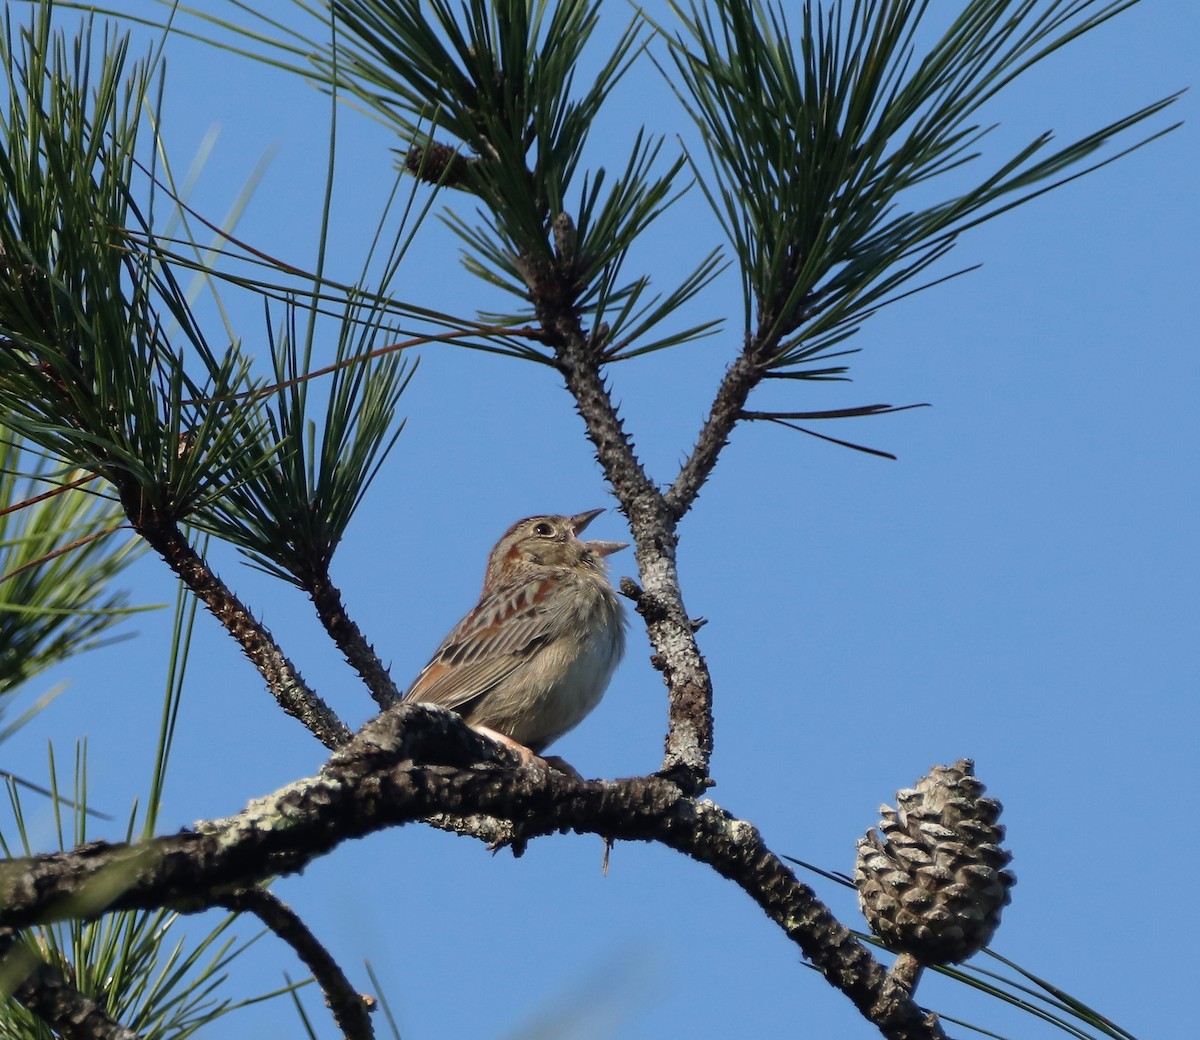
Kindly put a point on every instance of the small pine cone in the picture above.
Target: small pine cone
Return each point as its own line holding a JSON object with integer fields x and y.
{"x": 565, "y": 237}
{"x": 933, "y": 885}
{"x": 437, "y": 163}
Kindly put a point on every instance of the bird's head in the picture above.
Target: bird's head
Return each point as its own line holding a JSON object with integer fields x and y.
{"x": 548, "y": 541}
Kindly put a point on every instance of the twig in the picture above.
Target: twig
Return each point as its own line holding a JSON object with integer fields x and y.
{"x": 740, "y": 378}
{"x": 78, "y": 543}
{"x": 283, "y": 680}
{"x": 358, "y": 359}
{"x": 327, "y": 598}
{"x": 350, "y": 1009}
{"x": 58, "y": 489}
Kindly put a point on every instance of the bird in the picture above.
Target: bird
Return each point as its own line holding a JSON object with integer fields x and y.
{"x": 534, "y": 656}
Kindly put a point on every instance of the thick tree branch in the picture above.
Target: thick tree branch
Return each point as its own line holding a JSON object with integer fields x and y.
{"x": 350, "y": 1009}
{"x": 411, "y": 762}
{"x": 49, "y": 994}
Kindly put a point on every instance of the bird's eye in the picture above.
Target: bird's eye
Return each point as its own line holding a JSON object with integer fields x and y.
{"x": 543, "y": 529}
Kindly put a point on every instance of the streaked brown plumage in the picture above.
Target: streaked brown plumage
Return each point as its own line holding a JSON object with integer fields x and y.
{"x": 535, "y": 655}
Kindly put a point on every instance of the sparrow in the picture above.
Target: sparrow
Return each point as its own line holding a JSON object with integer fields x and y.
{"x": 534, "y": 656}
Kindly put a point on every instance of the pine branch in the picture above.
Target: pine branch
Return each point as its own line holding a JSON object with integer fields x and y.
{"x": 283, "y": 680}
{"x": 361, "y": 655}
{"x": 689, "y": 738}
{"x": 413, "y": 761}
{"x": 739, "y": 380}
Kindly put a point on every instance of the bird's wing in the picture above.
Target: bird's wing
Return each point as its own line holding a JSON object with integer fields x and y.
{"x": 488, "y": 645}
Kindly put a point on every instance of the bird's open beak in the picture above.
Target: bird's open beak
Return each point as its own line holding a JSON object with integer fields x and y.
{"x": 580, "y": 520}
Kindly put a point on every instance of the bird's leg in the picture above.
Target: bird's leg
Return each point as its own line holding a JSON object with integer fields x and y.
{"x": 527, "y": 756}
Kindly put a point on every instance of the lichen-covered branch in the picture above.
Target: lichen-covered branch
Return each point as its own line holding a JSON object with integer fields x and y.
{"x": 414, "y": 761}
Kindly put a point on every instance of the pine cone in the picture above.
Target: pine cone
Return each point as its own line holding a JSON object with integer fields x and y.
{"x": 437, "y": 163}
{"x": 934, "y": 884}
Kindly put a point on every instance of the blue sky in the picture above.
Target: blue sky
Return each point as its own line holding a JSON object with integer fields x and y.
{"x": 1019, "y": 587}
